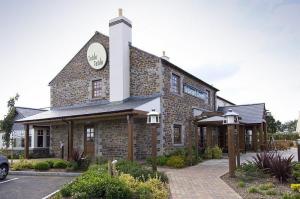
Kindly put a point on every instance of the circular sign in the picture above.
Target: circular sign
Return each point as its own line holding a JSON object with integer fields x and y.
{"x": 96, "y": 56}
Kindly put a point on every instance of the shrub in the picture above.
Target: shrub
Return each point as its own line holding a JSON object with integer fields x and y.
{"x": 241, "y": 184}
{"x": 22, "y": 164}
{"x": 253, "y": 189}
{"x": 50, "y": 162}
{"x": 208, "y": 154}
{"x": 138, "y": 171}
{"x": 266, "y": 186}
{"x": 60, "y": 164}
{"x": 291, "y": 196}
{"x": 273, "y": 163}
{"x": 176, "y": 161}
{"x": 217, "y": 152}
{"x": 296, "y": 171}
{"x": 41, "y": 166}
{"x": 295, "y": 187}
{"x": 271, "y": 192}
{"x": 248, "y": 167}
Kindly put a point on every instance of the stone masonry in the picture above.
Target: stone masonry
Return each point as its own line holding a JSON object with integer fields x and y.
{"x": 149, "y": 75}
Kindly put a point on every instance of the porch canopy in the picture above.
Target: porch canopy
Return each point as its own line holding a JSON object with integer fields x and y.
{"x": 252, "y": 117}
{"x": 131, "y": 107}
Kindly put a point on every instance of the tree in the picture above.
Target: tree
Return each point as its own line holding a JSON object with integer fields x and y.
{"x": 290, "y": 126}
{"x": 271, "y": 124}
{"x": 8, "y": 121}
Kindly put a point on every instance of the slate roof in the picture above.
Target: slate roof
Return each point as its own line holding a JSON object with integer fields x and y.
{"x": 250, "y": 113}
{"x": 23, "y": 112}
{"x": 90, "y": 109}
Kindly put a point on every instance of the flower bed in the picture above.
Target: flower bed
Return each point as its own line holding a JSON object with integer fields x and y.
{"x": 269, "y": 175}
{"x": 132, "y": 181}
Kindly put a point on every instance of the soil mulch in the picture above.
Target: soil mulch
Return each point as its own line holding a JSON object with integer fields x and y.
{"x": 279, "y": 188}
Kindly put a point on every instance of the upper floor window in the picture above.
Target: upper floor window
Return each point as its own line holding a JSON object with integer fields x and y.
{"x": 96, "y": 88}
{"x": 175, "y": 83}
{"x": 199, "y": 93}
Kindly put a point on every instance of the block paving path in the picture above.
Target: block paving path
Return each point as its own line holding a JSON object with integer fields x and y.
{"x": 203, "y": 180}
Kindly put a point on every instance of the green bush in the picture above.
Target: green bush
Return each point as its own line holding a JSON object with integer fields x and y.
{"x": 60, "y": 164}
{"x": 138, "y": 171}
{"x": 176, "y": 161}
{"x": 217, "y": 152}
{"x": 253, "y": 189}
{"x": 41, "y": 166}
{"x": 291, "y": 196}
{"x": 241, "y": 184}
{"x": 266, "y": 186}
{"x": 51, "y": 163}
{"x": 208, "y": 153}
{"x": 22, "y": 164}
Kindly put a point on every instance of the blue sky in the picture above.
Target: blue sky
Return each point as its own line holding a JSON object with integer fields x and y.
{"x": 250, "y": 50}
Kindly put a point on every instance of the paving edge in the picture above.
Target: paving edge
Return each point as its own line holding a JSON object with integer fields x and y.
{"x": 38, "y": 173}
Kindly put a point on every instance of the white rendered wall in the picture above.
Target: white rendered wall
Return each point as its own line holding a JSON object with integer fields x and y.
{"x": 119, "y": 52}
{"x": 153, "y": 104}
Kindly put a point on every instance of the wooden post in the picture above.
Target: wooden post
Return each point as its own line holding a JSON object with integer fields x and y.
{"x": 26, "y": 152}
{"x": 254, "y": 138}
{"x": 238, "y": 161}
{"x": 265, "y": 136}
{"x": 209, "y": 136}
{"x": 242, "y": 138}
{"x": 130, "y": 137}
{"x": 70, "y": 140}
{"x": 197, "y": 134}
{"x": 261, "y": 136}
{"x": 231, "y": 151}
{"x": 154, "y": 146}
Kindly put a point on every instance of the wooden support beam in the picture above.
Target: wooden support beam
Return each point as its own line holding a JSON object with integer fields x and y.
{"x": 26, "y": 149}
{"x": 154, "y": 146}
{"x": 231, "y": 150}
{"x": 209, "y": 136}
{"x": 130, "y": 137}
{"x": 261, "y": 137}
{"x": 238, "y": 161}
{"x": 70, "y": 139}
{"x": 190, "y": 142}
{"x": 197, "y": 135}
{"x": 265, "y": 136}
{"x": 254, "y": 138}
{"x": 242, "y": 138}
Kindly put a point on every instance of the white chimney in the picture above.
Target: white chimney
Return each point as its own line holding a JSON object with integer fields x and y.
{"x": 119, "y": 61}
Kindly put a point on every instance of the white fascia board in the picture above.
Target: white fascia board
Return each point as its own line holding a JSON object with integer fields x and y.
{"x": 153, "y": 104}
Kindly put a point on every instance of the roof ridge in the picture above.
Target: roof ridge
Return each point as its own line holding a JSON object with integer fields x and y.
{"x": 245, "y": 104}
{"x": 40, "y": 109}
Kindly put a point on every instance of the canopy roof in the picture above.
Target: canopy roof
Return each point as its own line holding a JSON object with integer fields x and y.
{"x": 96, "y": 108}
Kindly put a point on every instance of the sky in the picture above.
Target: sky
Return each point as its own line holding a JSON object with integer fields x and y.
{"x": 248, "y": 49}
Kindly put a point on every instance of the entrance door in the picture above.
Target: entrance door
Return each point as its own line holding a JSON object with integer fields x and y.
{"x": 89, "y": 141}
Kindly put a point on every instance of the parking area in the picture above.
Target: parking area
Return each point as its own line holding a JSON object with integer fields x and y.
{"x": 30, "y": 187}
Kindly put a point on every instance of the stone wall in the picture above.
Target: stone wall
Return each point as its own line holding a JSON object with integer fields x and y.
{"x": 145, "y": 73}
{"x": 73, "y": 85}
{"x": 111, "y": 138}
{"x": 178, "y": 108}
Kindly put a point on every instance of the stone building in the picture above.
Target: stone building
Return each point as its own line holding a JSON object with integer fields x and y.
{"x": 100, "y": 99}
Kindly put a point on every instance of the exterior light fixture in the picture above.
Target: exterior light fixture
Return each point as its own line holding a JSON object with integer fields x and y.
{"x": 231, "y": 118}
{"x": 153, "y": 120}
{"x": 153, "y": 117}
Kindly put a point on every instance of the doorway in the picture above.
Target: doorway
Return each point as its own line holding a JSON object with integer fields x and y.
{"x": 89, "y": 141}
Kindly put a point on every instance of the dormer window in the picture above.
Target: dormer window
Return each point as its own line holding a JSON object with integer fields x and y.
{"x": 96, "y": 88}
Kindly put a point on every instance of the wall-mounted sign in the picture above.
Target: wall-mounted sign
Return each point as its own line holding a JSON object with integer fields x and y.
{"x": 96, "y": 56}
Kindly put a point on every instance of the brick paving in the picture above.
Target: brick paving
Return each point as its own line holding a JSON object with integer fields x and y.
{"x": 203, "y": 180}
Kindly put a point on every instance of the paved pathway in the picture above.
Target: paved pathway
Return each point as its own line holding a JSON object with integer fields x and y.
{"x": 203, "y": 180}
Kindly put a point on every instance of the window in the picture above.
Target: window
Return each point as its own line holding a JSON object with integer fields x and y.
{"x": 40, "y": 137}
{"x": 96, "y": 88}
{"x": 90, "y": 134}
{"x": 175, "y": 84}
{"x": 177, "y": 134}
{"x": 188, "y": 89}
{"x": 48, "y": 138}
